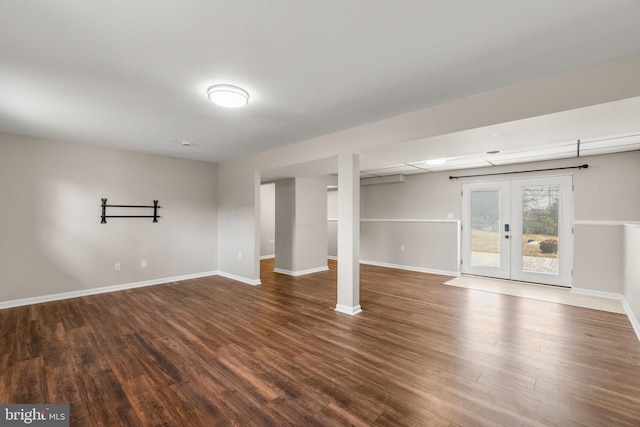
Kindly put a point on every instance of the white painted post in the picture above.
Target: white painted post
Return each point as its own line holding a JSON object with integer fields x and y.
{"x": 349, "y": 234}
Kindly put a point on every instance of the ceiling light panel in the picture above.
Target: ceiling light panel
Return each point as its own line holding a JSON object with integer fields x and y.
{"x": 537, "y": 158}
{"x": 534, "y": 153}
{"x": 392, "y": 170}
{"x": 479, "y": 164}
{"x": 468, "y": 162}
{"x": 436, "y": 162}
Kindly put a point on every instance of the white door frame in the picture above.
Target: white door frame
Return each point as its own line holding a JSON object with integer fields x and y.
{"x": 511, "y": 260}
{"x": 563, "y": 277}
{"x": 502, "y": 269}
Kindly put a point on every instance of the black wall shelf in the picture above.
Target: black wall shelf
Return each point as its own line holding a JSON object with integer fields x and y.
{"x": 104, "y": 215}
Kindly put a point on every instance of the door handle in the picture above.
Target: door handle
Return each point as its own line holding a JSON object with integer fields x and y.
{"x": 506, "y": 236}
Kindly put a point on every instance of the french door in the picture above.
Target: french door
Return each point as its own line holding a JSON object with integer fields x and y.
{"x": 519, "y": 229}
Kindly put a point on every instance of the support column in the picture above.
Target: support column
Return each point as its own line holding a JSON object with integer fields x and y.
{"x": 349, "y": 233}
{"x": 301, "y": 226}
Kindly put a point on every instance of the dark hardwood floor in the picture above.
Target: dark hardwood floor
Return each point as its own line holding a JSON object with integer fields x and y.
{"x": 212, "y": 351}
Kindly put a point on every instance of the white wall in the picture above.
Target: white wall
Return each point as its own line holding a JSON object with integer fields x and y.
{"x": 606, "y": 195}
{"x": 429, "y": 246}
{"x": 238, "y": 223}
{"x": 332, "y": 222}
{"x": 285, "y": 223}
{"x": 422, "y": 246}
{"x": 632, "y": 271}
{"x": 608, "y": 190}
{"x": 598, "y": 257}
{"x": 301, "y": 225}
{"x": 51, "y": 238}
{"x": 311, "y": 224}
{"x": 267, "y": 219}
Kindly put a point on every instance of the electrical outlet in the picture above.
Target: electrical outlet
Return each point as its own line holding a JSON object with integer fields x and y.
{"x": 402, "y": 248}
{"x": 239, "y": 255}
{"x": 450, "y": 215}
{"x": 272, "y": 241}
{"x": 117, "y": 266}
{"x": 143, "y": 263}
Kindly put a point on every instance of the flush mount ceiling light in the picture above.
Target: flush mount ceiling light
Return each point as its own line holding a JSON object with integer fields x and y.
{"x": 436, "y": 162}
{"x": 228, "y": 96}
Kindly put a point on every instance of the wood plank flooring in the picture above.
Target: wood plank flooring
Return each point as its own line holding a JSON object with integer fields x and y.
{"x": 212, "y": 351}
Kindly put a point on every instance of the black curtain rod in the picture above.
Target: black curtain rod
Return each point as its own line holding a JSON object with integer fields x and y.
{"x": 130, "y": 206}
{"x": 509, "y": 173}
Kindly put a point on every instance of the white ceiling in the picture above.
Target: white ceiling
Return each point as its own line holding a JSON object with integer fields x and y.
{"x": 133, "y": 74}
{"x": 552, "y": 151}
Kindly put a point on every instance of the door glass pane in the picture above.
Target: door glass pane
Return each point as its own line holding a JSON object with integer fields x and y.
{"x": 540, "y": 229}
{"x": 485, "y": 228}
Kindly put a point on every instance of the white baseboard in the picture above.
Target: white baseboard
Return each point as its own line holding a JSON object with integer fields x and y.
{"x": 632, "y": 317}
{"x": 300, "y": 272}
{"x": 252, "y": 282}
{"x": 335, "y": 258}
{"x": 411, "y": 268}
{"x": 348, "y": 310}
{"x": 101, "y": 290}
{"x": 267, "y": 256}
{"x": 594, "y": 293}
{"x": 612, "y": 295}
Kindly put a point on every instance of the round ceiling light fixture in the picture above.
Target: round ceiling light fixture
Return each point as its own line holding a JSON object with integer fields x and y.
{"x": 228, "y": 96}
